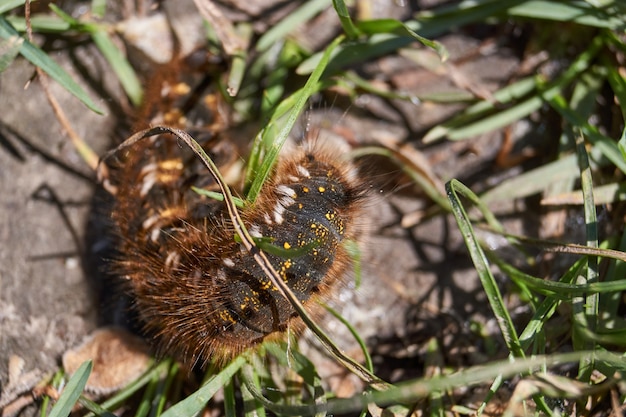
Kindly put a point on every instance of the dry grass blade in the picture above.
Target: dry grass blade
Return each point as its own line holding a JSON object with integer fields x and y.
{"x": 85, "y": 151}
{"x": 560, "y": 247}
{"x": 223, "y": 27}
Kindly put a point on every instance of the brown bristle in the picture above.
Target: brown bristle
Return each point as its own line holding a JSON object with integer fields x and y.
{"x": 198, "y": 292}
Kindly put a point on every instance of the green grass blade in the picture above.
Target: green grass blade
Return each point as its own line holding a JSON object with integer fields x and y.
{"x": 428, "y": 24}
{"x": 270, "y": 155}
{"x": 561, "y": 290}
{"x": 253, "y": 404}
{"x": 255, "y": 391}
{"x": 239, "y": 62}
{"x": 454, "y": 188}
{"x": 546, "y": 309}
{"x": 72, "y": 391}
{"x": 57, "y": 379}
{"x": 351, "y": 30}
{"x": 585, "y": 309}
{"x": 500, "y": 119}
{"x": 230, "y": 410}
{"x": 368, "y": 359}
{"x": 611, "y": 302}
{"x": 95, "y": 408}
{"x": 98, "y": 8}
{"x": 534, "y": 181}
{"x": 352, "y": 82}
{"x": 120, "y": 65}
{"x": 497, "y": 383}
{"x": 481, "y": 264}
{"x": 292, "y": 358}
{"x": 433, "y": 360}
{"x": 306, "y": 369}
{"x": 579, "y": 12}
{"x": 508, "y": 116}
{"x": 163, "y": 390}
{"x": 146, "y": 402}
{"x": 478, "y": 119}
{"x": 193, "y": 404}
{"x": 618, "y": 85}
{"x": 40, "y": 23}
{"x": 505, "y": 95}
{"x": 291, "y": 23}
{"x": 6, "y": 5}
{"x": 356, "y": 52}
{"x": 387, "y": 26}
{"x": 118, "y": 399}
{"x": 613, "y": 337}
{"x": 122, "y": 68}
{"x": 411, "y": 391}
{"x": 604, "y": 194}
{"x": 607, "y": 146}
{"x": 74, "y": 23}
{"x": 456, "y": 14}
{"x": 217, "y": 196}
{"x": 39, "y": 58}
{"x": 9, "y": 48}
{"x": 289, "y": 55}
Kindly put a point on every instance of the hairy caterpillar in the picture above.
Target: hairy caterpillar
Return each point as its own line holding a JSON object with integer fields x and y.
{"x": 197, "y": 290}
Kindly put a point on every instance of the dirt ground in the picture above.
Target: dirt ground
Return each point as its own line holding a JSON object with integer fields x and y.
{"x": 418, "y": 282}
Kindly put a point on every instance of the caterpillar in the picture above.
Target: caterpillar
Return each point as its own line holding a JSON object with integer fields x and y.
{"x": 197, "y": 291}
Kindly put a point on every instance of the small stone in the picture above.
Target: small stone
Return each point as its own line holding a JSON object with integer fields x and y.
{"x": 118, "y": 356}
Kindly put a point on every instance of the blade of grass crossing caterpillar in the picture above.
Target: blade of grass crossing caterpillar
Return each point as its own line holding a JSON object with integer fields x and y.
{"x": 270, "y": 154}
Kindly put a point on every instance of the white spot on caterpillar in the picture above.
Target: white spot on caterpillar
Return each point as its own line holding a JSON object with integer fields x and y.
{"x": 149, "y": 177}
{"x": 286, "y": 191}
{"x": 151, "y": 167}
{"x": 172, "y": 260}
{"x": 228, "y": 262}
{"x": 155, "y": 233}
{"x": 286, "y": 201}
{"x": 148, "y": 182}
{"x": 150, "y": 221}
{"x": 278, "y": 213}
{"x": 303, "y": 171}
{"x": 255, "y": 230}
